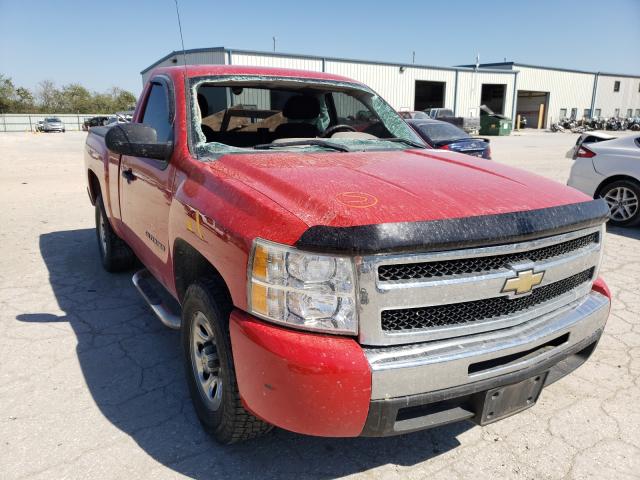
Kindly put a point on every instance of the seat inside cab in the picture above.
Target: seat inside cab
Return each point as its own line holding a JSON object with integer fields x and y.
{"x": 249, "y": 115}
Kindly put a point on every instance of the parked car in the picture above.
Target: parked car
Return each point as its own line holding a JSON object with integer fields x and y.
{"x": 126, "y": 115}
{"x": 337, "y": 282}
{"x": 468, "y": 124}
{"x": 445, "y": 136}
{"x": 98, "y": 121}
{"x": 118, "y": 117}
{"x": 53, "y": 124}
{"x": 611, "y": 170}
{"x": 406, "y": 114}
{"x": 587, "y": 138}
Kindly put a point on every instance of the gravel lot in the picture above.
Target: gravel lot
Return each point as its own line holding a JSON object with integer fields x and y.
{"x": 91, "y": 384}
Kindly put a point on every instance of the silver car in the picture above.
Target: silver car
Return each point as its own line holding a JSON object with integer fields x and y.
{"x": 52, "y": 124}
{"x": 611, "y": 169}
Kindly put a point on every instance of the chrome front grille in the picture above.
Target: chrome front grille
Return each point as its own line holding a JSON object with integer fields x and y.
{"x": 479, "y": 310}
{"x": 413, "y": 271}
{"x": 409, "y": 298}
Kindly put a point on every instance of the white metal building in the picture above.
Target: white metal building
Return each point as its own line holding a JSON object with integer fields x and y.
{"x": 508, "y": 88}
{"x": 573, "y": 93}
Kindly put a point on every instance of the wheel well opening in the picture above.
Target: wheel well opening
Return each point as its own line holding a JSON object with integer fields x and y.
{"x": 190, "y": 265}
{"x": 615, "y": 178}
{"x": 94, "y": 187}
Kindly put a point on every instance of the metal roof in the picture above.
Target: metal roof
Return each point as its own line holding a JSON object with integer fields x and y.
{"x": 316, "y": 57}
{"x": 542, "y": 67}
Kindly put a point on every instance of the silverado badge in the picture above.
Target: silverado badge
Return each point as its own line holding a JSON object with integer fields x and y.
{"x": 523, "y": 282}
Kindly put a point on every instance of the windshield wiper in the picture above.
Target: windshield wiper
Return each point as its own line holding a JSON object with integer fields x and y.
{"x": 403, "y": 140}
{"x": 302, "y": 143}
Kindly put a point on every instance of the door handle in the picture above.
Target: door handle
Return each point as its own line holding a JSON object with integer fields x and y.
{"x": 129, "y": 175}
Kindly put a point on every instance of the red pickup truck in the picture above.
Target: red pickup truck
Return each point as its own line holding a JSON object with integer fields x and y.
{"x": 329, "y": 273}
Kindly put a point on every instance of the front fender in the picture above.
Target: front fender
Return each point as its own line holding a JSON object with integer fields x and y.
{"x": 220, "y": 217}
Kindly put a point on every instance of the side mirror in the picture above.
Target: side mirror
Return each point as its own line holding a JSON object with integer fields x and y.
{"x": 137, "y": 140}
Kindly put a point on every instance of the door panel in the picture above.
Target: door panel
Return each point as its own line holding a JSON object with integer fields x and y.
{"x": 146, "y": 188}
{"x": 145, "y": 203}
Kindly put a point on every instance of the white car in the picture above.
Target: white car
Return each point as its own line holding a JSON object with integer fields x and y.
{"x": 589, "y": 137}
{"x": 53, "y": 124}
{"x": 115, "y": 120}
{"x": 611, "y": 170}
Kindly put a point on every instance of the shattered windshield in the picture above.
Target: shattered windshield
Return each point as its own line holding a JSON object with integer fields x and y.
{"x": 252, "y": 114}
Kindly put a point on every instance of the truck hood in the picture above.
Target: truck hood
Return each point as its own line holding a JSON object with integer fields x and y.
{"x": 363, "y": 188}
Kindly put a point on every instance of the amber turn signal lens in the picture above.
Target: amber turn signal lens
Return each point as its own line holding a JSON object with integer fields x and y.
{"x": 259, "y": 298}
{"x": 260, "y": 261}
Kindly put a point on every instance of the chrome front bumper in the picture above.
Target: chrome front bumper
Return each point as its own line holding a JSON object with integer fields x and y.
{"x": 441, "y": 364}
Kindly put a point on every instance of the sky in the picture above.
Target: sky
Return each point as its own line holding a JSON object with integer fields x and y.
{"x": 106, "y": 44}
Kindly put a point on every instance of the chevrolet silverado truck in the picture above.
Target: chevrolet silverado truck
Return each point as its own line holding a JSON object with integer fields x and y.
{"x": 340, "y": 279}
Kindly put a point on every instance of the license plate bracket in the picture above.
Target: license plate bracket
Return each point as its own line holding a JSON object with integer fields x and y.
{"x": 502, "y": 402}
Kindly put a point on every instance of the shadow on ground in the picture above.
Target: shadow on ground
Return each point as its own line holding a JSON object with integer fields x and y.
{"x": 632, "y": 233}
{"x": 132, "y": 366}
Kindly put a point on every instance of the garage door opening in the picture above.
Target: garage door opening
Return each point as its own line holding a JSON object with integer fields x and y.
{"x": 533, "y": 107}
{"x": 429, "y": 95}
{"x": 493, "y": 96}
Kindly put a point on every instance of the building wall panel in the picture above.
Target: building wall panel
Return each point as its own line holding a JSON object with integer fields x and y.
{"x": 566, "y": 89}
{"x": 628, "y": 97}
{"x": 470, "y": 91}
{"x": 396, "y": 87}
{"x": 276, "y": 61}
{"x": 252, "y": 97}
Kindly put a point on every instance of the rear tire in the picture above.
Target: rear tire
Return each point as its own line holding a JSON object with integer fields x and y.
{"x": 623, "y": 199}
{"x": 115, "y": 255}
{"x": 209, "y": 366}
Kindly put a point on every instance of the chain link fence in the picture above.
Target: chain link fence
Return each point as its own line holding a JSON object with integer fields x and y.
{"x": 24, "y": 122}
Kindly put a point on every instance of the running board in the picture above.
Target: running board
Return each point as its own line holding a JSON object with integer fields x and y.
{"x": 166, "y": 308}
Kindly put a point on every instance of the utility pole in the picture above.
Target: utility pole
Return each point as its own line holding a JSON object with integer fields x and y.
{"x": 413, "y": 60}
{"x": 274, "y": 43}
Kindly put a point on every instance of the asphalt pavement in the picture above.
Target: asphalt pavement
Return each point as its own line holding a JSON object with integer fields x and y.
{"x": 92, "y": 385}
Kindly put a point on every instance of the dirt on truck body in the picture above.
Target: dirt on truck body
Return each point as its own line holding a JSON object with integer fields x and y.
{"x": 332, "y": 275}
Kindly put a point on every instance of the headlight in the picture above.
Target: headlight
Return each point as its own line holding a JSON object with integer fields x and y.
{"x": 301, "y": 289}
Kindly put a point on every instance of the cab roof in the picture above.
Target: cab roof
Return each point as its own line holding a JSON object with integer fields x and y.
{"x": 213, "y": 70}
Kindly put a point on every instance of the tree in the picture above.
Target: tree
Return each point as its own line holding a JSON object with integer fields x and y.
{"x": 48, "y": 96}
{"x": 122, "y": 100}
{"x": 74, "y": 98}
{"x": 24, "y": 102}
{"x": 71, "y": 98}
{"x": 7, "y": 94}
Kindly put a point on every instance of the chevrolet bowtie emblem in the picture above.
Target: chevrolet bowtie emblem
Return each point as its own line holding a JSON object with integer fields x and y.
{"x": 523, "y": 283}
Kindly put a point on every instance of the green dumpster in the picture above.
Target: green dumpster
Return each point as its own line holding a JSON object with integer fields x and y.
{"x": 492, "y": 123}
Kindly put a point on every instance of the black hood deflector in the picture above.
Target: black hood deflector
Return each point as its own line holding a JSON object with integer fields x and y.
{"x": 455, "y": 233}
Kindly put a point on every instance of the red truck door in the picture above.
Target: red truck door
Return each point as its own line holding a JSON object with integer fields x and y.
{"x": 146, "y": 185}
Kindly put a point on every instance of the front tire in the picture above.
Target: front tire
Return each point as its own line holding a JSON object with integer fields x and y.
{"x": 623, "y": 199}
{"x": 115, "y": 255}
{"x": 209, "y": 366}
